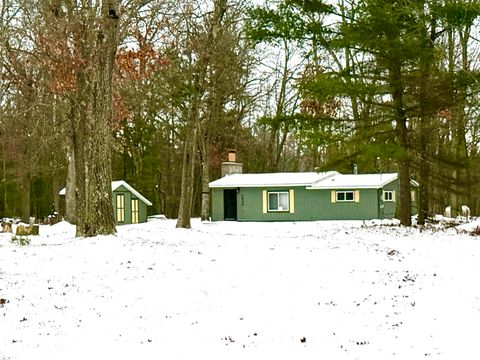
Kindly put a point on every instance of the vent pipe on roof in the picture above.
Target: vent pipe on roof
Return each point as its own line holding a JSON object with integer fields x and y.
{"x": 231, "y": 166}
{"x": 355, "y": 169}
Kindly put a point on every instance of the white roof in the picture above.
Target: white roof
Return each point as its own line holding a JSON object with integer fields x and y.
{"x": 355, "y": 181}
{"x": 115, "y": 186}
{"x": 118, "y": 183}
{"x": 270, "y": 179}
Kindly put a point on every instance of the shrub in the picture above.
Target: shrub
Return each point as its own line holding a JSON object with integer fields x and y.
{"x": 475, "y": 231}
{"x": 20, "y": 240}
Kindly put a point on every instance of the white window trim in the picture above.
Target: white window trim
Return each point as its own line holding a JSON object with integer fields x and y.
{"x": 120, "y": 198}
{"x": 345, "y": 192}
{"x": 278, "y": 201}
{"x": 390, "y": 198}
{"x": 135, "y": 210}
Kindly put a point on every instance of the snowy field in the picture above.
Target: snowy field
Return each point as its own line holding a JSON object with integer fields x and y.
{"x": 305, "y": 290}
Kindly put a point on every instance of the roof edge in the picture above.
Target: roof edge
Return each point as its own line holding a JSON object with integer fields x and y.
{"x": 117, "y": 184}
{"x": 131, "y": 189}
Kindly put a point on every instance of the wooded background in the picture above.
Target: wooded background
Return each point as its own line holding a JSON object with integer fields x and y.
{"x": 156, "y": 92}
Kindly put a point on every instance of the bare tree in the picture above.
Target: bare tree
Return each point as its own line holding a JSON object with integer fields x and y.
{"x": 82, "y": 47}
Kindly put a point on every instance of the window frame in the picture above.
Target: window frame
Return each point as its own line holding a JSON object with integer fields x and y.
{"x": 388, "y": 196}
{"x": 278, "y": 193}
{"x": 344, "y": 192}
{"x": 135, "y": 210}
{"x": 120, "y": 205}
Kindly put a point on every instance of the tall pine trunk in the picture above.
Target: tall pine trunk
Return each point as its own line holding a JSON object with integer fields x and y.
{"x": 400, "y": 118}
{"x": 426, "y": 67}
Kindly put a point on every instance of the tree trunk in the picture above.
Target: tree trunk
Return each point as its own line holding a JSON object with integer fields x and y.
{"x": 185, "y": 209}
{"x": 70, "y": 214}
{"x": 25, "y": 197}
{"x": 205, "y": 211}
{"x": 92, "y": 137}
{"x": 4, "y": 182}
{"x": 400, "y": 117}
{"x": 425, "y": 128}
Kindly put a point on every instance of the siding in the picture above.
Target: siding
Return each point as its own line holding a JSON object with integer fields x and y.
{"x": 217, "y": 204}
{"x": 309, "y": 205}
{"x": 389, "y": 207}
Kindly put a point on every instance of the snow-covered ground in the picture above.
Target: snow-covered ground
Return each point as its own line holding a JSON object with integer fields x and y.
{"x": 305, "y": 290}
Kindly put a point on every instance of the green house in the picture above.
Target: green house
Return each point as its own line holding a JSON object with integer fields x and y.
{"x": 304, "y": 196}
{"x": 129, "y": 206}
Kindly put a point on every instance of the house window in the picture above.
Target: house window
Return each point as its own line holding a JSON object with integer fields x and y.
{"x": 278, "y": 201}
{"x": 345, "y": 196}
{"x": 120, "y": 208}
{"x": 134, "y": 211}
{"x": 388, "y": 196}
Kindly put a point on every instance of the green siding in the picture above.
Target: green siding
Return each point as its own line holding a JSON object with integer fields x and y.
{"x": 388, "y": 208}
{"x": 309, "y": 205}
{"x": 142, "y": 207}
{"x": 217, "y": 204}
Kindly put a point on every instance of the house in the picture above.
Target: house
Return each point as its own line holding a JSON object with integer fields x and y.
{"x": 129, "y": 206}
{"x": 304, "y": 196}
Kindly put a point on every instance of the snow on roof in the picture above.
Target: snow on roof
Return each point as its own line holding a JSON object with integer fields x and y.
{"x": 270, "y": 179}
{"x": 115, "y": 186}
{"x": 357, "y": 181}
{"x": 118, "y": 183}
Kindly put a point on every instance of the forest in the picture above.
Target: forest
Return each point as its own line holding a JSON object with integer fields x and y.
{"x": 155, "y": 92}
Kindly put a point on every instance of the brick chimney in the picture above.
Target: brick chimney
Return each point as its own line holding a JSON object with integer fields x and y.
{"x": 231, "y": 166}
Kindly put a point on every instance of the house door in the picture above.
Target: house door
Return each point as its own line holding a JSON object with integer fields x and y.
{"x": 230, "y": 204}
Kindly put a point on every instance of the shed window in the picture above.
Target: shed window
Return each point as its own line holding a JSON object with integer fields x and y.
{"x": 120, "y": 208}
{"x": 345, "y": 196}
{"x": 388, "y": 196}
{"x": 278, "y": 201}
{"x": 134, "y": 211}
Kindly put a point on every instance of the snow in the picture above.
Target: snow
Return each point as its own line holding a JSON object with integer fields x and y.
{"x": 227, "y": 290}
{"x": 270, "y": 179}
{"x": 358, "y": 181}
{"x": 313, "y": 180}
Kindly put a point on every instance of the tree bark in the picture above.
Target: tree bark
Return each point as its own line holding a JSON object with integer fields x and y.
{"x": 426, "y": 63}
{"x": 25, "y": 197}
{"x": 70, "y": 214}
{"x": 400, "y": 118}
{"x": 185, "y": 209}
{"x": 205, "y": 210}
{"x": 92, "y": 138}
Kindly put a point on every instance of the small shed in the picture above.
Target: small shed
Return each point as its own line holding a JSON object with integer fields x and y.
{"x": 129, "y": 206}
{"x": 304, "y": 196}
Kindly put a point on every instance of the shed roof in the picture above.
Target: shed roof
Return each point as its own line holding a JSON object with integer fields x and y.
{"x": 355, "y": 181}
{"x": 118, "y": 183}
{"x": 115, "y": 186}
{"x": 271, "y": 179}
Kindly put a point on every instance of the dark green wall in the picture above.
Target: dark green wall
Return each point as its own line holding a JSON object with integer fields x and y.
{"x": 142, "y": 207}
{"x": 309, "y": 205}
